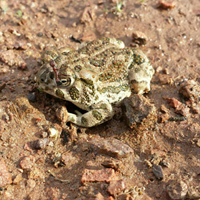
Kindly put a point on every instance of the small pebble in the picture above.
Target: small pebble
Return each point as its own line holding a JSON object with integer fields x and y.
{"x": 54, "y": 132}
{"x": 166, "y": 4}
{"x": 44, "y": 134}
{"x": 31, "y": 96}
{"x": 17, "y": 179}
{"x": 62, "y": 114}
{"x": 139, "y": 38}
{"x": 5, "y": 117}
{"x": 198, "y": 143}
{"x": 158, "y": 172}
{"x": 27, "y": 162}
{"x": 164, "y": 163}
{"x": 5, "y": 176}
{"x": 41, "y": 143}
{"x": 177, "y": 189}
{"x": 116, "y": 187}
{"x": 2, "y": 85}
{"x": 40, "y": 34}
{"x": 111, "y": 164}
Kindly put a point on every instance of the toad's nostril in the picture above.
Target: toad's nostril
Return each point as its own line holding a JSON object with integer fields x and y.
{"x": 59, "y": 82}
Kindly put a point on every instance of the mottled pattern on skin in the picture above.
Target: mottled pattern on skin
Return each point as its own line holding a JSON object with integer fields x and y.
{"x": 78, "y": 68}
{"x": 84, "y": 121}
{"x": 96, "y": 77}
{"x": 74, "y": 93}
{"x": 97, "y": 115}
{"x": 113, "y": 89}
{"x": 60, "y": 93}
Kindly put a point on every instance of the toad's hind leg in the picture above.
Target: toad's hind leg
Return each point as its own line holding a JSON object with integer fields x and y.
{"x": 99, "y": 113}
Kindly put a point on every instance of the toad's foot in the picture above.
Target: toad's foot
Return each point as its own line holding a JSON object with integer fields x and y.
{"x": 98, "y": 114}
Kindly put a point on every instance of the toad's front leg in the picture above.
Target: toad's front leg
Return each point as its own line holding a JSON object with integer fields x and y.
{"x": 98, "y": 114}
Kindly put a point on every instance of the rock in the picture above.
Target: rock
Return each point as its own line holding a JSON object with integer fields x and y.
{"x": 17, "y": 179}
{"x": 36, "y": 173}
{"x": 73, "y": 133}
{"x": 125, "y": 197}
{"x": 139, "y": 38}
{"x": 158, "y": 172}
{"x": 5, "y": 176}
{"x": 44, "y": 134}
{"x": 2, "y": 85}
{"x": 163, "y": 117}
{"x": 180, "y": 108}
{"x": 27, "y": 162}
{"x": 166, "y": 4}
{"x": 111, "y": 164}
{"x": 4, "y": 69}
{"x": 111, "y": 147}
{"x": 193, "y": 194}
{"x": 139, "y": 113}
{"x": 40, "y": 34}
{"x": 164, "y": 109}
{"x": 69, "y": 160}
{"x": 183, "y": 110}
{"x": 198, "y": 143}
{"x": 20, "y": 45}
{"x": 90, "y": 175}
{"x": 100, "y": 2}
{"x": 62, "y": 114}
{"x": 177, "y": 189}
{"x": 165, "y": 163}
{"x": 88, "y": 37}
{"x": 1, "y": 37}
{"x": 3, "y": 5}
{"x": 5, "y": 117}
{"x": 35, "y": 194}
{"x": 30, "y": 184}
{"x": 52, "y": 193}
{"x": 88, "y": 14}
{"x": 190, "y": 89}
{"x": 41, "y": 143}
{"x": 28, "y": 147}
{"x": 174, "y": 103}
{"x": 155, "y": 158}
{"x": 164, "y": 79}
{"x": 54, "y": 131}
{"x": 99, "y": 196}
{"x": 31, "y": 97}
{"x": 116, "y": 187}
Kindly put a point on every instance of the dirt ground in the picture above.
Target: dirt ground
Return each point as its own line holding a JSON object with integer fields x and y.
{"x": 42, "y": 160}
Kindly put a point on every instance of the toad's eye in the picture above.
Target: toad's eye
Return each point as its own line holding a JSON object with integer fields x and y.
{"x": 51, "y": 75}
{"x": 64, "y": 82}
{"x": 59, "y": 82}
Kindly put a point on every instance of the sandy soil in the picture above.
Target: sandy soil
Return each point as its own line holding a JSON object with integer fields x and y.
{"x": 38, "y": 164}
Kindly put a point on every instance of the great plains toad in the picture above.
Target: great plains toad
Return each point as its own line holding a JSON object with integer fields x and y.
{"x": 97, "y": 76}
